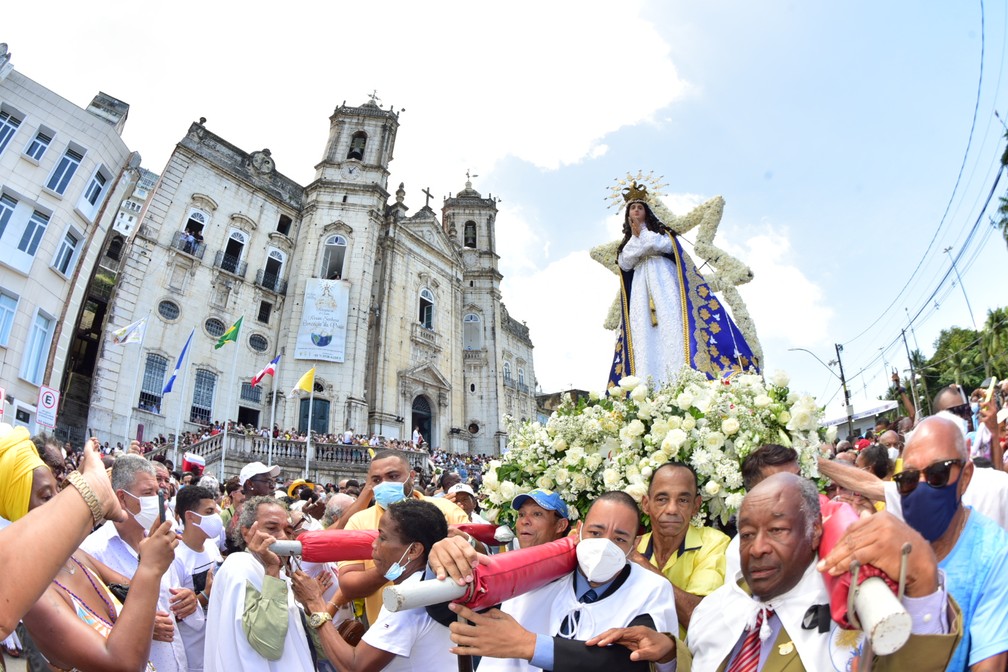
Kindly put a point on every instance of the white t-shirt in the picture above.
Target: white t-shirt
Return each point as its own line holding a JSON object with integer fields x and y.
{"x": 108, "y": 547}
{"x": 191, "y": 569}
{"x": 418, "y": 641}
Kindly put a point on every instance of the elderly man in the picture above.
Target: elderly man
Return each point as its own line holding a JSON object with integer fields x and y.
{"x": 546, "y": 628}
{"x": 253, "y": 621}
{"x": 117, "y": 545}
{"x": 765, "y": 622}
{"x": 392, "y": 479}
{"x": 691, "y": 558}
{"x": 463, "y": 495}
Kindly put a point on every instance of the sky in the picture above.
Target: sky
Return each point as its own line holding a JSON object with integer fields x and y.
{"x": 852, "y": 142}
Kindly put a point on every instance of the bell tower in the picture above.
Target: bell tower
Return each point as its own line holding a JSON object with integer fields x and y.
{"x": 360, "y": 145}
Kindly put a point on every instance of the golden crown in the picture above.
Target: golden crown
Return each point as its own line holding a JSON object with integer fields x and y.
{"x": 646, "y": 188}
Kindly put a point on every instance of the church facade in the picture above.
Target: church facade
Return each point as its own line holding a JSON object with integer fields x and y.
{"x": 399, "y": 313}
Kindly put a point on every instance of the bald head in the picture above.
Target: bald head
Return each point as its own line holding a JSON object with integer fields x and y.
{"x": 939, "y": 436}
{"x": 949, "y": 397}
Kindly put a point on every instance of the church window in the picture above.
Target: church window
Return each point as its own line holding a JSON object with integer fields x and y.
{"x": 201, "y": 411}
{"x": 284, "y": 225}
{"x": 214, "y": 327}
{"x": 153, "y": 382}
{"x": 230, "y": 258}
{"x": 507, "y": 372}
{"x": 194, "y": 225}
{"x": 265, "y": 308}
{"x": 521, "y": 376}
{"x": 258, "y": 342}
{"x": 426, "y": 308}
{"x": 472, "y": 332}
{"x": 169, "y": 310}
{"x": 333, "y": 258}
{"x": 470, "y": 234}
{"x": 357, "y": 143}
{"x": 474, "y": 428}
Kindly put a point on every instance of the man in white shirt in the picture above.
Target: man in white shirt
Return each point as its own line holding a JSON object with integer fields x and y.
{"x": 117, "y": 544}
{"x": 196, "y": 558}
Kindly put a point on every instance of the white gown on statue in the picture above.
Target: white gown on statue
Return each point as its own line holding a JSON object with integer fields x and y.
{"x": 658, "y": 349}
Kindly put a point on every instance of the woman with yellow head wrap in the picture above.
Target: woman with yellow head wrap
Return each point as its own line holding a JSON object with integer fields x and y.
{"x": 19, "y": 460}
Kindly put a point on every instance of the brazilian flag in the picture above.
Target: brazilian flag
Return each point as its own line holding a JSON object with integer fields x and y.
{"x": 230, "y": 335}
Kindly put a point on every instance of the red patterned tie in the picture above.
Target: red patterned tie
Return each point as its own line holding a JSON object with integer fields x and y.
{"x": 748, "y": 656}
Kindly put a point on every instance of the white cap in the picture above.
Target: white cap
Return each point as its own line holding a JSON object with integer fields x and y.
{"x": 461, "y": 487}
{"x": 254, "y": 469}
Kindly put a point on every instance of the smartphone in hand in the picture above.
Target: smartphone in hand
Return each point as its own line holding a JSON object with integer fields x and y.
{"x": 161, "y": 505}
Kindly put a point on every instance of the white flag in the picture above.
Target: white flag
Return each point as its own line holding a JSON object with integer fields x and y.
{"x": 131, "y": 333}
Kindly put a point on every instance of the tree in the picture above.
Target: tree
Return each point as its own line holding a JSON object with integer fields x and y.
{"x": 995, "y": 341}
{"x": 958, "y": 358}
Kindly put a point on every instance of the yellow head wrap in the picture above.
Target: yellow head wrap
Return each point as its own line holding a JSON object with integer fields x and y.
{"x": 18, "y": 459}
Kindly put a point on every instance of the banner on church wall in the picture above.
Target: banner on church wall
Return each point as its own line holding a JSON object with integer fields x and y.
{"x": 322, "y": 335}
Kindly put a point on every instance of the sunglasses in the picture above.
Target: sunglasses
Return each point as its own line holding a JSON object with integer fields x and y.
{"x": 962, "y": 410}
{"x": 936, "y": 475}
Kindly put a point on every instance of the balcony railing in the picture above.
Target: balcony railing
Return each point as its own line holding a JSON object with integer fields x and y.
{"x": 230, "y": 264}
{"x": 271, "y": 282}
{"x": 423, "y": 335}
{"x": 184, "y": 242}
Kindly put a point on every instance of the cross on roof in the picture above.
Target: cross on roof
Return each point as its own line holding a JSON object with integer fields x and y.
{"x": 374, "y": 97}
{"x": 429, "y": 196}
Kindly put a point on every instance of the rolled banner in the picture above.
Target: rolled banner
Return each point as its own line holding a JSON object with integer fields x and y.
{"x": 491, "y": 535}
{"x": 879, "y": 612}
{"x": 502, "y": 577}
{"x": 329, "y": 545}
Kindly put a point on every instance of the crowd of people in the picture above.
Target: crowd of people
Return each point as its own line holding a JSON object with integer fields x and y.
{"x": 135, "y": 566}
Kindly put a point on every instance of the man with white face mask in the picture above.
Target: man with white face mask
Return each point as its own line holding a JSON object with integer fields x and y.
{"x": 196, "y": 559}
{"x": 117, "y": 545}
{"x": 547, "y": 627}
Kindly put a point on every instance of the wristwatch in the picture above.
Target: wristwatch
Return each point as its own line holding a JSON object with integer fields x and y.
{"x": 317, "y": 619}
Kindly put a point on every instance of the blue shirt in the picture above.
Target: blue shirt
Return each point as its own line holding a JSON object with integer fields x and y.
{"x": 976, "y": 572}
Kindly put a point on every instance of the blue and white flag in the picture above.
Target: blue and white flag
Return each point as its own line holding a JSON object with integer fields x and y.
{"x": 178, "y": 364}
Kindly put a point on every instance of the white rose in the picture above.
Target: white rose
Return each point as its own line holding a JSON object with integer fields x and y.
{"x": 684, "y": 400}
{"x": 780, "y": 378}
{"x": 545, "y": 482}
{"x": 831, "y": 433}
{"x": 674, "y": 440}
{"x": 729, "y": 426}
{"x": 688, "y": 423}
{"x": 802, "y": 420}
{"x": 559, "y": 445}
{"x": 714, "y": 440}
{"x": 628, "y": 383}
{"x": 762, "y": 401}
{"x": 574, "y": 455}
{"x": 639, "y": 393}
{"x": 636, "y": 490}
{"x": 594, "y": 461}
{"x": 784, "y": 418}
{"x": 635, "y": 428}
{"x": 593, "y": 396}
{"x": 712, "y": 488}
{"x": 508, "y": 490}
{"x": 674, "y": 422}
{"x": 610, "y": 477}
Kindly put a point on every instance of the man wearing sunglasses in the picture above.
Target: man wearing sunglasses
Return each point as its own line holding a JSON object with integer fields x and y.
{"x": 971, "y": 548}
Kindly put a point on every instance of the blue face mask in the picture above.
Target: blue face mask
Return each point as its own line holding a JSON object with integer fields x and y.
{"x": 397, "y": 569}
{"x": 929, "y": 510}
{"x": 388, "y": 493}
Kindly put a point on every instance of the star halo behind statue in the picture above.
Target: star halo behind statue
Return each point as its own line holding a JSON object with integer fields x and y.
{"x": 728, "y": 272}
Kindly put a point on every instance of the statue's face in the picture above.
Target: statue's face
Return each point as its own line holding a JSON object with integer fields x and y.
{"x": 637, "y": 212}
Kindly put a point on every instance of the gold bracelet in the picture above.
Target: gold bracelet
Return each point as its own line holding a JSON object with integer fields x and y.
{"x": 77, "y": 480}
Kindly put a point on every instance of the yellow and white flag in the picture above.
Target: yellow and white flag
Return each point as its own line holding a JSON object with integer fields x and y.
{"x": 131, "y": 333}
{"x": 306, "y": 383}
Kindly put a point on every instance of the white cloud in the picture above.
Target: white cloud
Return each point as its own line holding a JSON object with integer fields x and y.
{"x": 564, "y": 305}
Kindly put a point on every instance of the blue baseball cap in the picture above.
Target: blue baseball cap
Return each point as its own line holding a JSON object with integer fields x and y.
{"x": 547, "y": 499}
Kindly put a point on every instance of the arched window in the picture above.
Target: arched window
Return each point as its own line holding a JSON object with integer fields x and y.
{"x": 333, "y": 257}
{"x": 521, "y": 376}
{"x": 427, "y": 308}
{"x": 115, "y": 248}
{"x": 197, "y": 220}
{"x": 507, "y": 372}
{"x": 469, "y": 239}
{"x": 357, "y": 143}
{"x": 472, "y": 332}
{"x": 232, "y": 255}
{"x": 274, "y": 269}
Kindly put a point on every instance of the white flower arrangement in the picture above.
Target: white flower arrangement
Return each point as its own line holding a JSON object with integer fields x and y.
{"x": 616, "y": 442}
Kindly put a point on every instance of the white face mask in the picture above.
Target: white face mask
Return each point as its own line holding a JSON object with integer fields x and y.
{"x": 148, "y": 510}
{"x": 600, "y": 559}
{"x": 211, "y": 524}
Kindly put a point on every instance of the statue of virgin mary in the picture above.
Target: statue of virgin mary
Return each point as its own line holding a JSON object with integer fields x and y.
{"x": 669, "y": 317}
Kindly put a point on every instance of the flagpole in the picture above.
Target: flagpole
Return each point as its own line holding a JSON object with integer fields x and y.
{"x": 136, "y": 378}
{"x": 178, "y": 423}
{"x": 311, "y": 399}
{"x": 234, "y": 365}
{"x": 269, "y": 449}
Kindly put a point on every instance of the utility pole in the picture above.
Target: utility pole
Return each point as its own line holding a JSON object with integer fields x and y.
{"x": 846, "y": 393}
{"x": 913, "y": 375}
